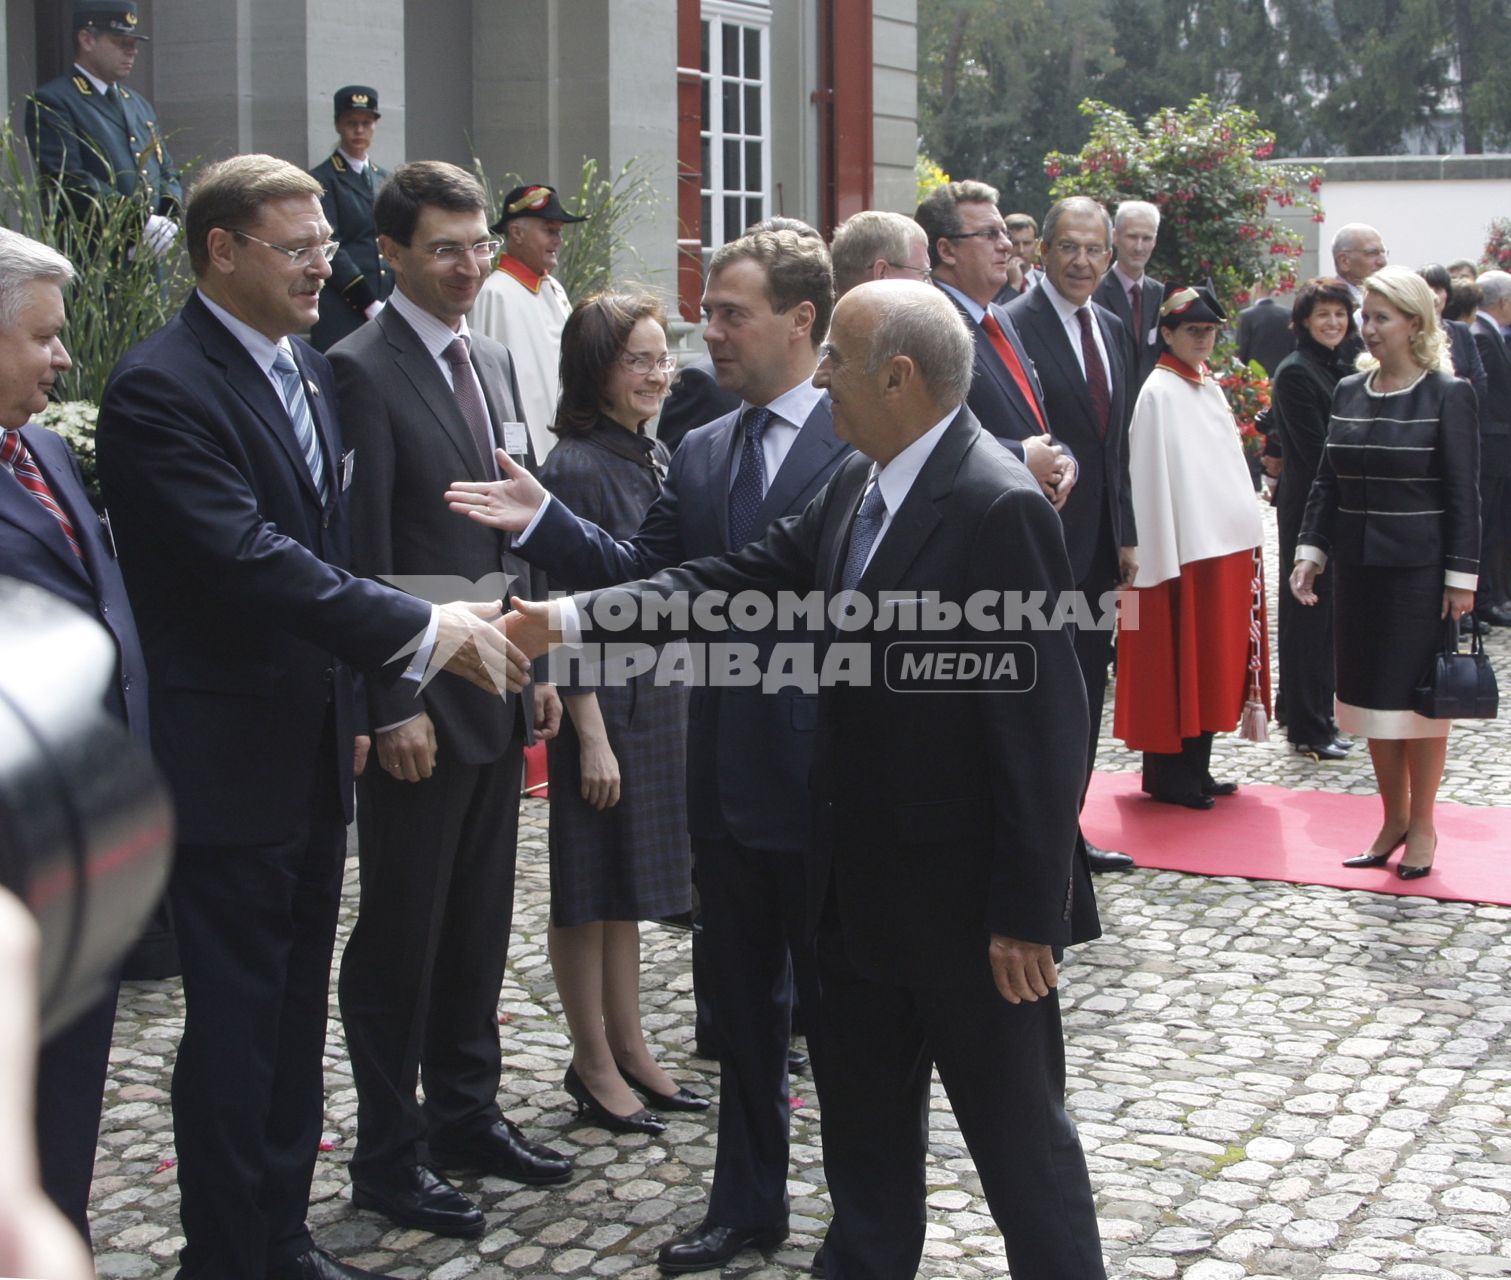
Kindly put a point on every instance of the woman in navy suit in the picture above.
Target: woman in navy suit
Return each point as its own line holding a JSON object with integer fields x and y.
{"x": 1395, "y": 506}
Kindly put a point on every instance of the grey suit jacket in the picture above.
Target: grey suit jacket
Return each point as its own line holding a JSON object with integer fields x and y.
{"x": 410, "y": 442}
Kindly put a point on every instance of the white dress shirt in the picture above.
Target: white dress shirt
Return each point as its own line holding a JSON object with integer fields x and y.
{"x": 1066, "y": 310}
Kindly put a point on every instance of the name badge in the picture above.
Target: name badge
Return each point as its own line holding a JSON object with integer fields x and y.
{"x": 347, "y": 466}
{"x": 516, "y": 439}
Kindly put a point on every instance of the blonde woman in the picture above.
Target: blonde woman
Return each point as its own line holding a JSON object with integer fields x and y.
{"x": 1394, "y": 513}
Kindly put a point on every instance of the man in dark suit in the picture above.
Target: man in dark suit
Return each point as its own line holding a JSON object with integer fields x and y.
{"x": 1264, "y": 330}
{"x": 50, "y": 536}
{"x": 423, "y": 398}
{"x": 97, "y": 137}
{"x": 942, "y": 883}
{"x": 1080, "y": 350}
{"x": 967, "y": 243}
{"x": 768, "y": 300}
{"x": 221, "y": 457}
{"x": 1495, "y": 447}
{"x": 360, "y": 279}
{"x": 1131, "y": 295}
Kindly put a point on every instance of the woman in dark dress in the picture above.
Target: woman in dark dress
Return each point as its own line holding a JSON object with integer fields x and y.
{"x": 1394, "y": 512}
{"x": 1301, "y": 394}
{"x": 618, "y": 834}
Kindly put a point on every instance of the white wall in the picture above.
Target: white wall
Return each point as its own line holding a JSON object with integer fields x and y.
{"x": 1421, "y": 221}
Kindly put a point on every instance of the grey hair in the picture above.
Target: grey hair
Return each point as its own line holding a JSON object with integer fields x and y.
{"x": 864, "y": 237}
{"x": 23, "y": 260}
{"x": 1129, "y": 207}
{"x": 1074, "y": 205}
{"x": 1496, "y": 286}
{"x": 920, "y": 322}
{"x": 1348, "y": 235}
{"x": 939, "y": 212}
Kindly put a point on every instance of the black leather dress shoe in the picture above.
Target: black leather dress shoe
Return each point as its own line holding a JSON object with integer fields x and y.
{"x": 1497, "y": 615}
{"x": 503, "y": 1151}
{"x": 1108, "y": 859}
{"x": 316, "y": 1264}
{"x": 415, "y": 1196}
{"x": 1320, "y": 750}
{"x": 797, "y": 1062}
{"x": 1210, "y": 786}
{"x": 1196, "y": 801}
{"x": 709, "y": 1246}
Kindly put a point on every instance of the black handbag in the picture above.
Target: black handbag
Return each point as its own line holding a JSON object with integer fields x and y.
{"x": 1458, "y": 686}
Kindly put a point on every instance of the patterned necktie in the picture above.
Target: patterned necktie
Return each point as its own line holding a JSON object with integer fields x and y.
{"x": 1096, "y": 374}
{"x": 750, "y": 480}
{"x": 469, "y": 399}
{"x": 15, "y": 455}
{"x": 304, "y": 423}
{"x": 862, "y": 535}
{"x": 1136, "y": 305}
{"x": 1009, "y": 357}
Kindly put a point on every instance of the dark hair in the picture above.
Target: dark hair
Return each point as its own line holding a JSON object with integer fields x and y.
{"x": 779, "y": 223}
{"x": 1464, "y": 299}
{"x": 1436, "y": 275}
{"x": 592, "y": 340}
{"x": 938, "y": 213}
{"x": 413, "y": 186}
{"x": 797, "y": 270}
{"x": 1322, "y": 289}
{"x": 231, "y": 195}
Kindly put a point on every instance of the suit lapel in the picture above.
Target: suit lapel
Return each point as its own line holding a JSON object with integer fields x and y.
{"x": 251, "y": 384}
{"x": 718, "y": 467}
{"x": 419, "y": 367}
{"x": 19, "y": 506}
{"x": 1058, "y": 343}
{"x": 814, "y": 446}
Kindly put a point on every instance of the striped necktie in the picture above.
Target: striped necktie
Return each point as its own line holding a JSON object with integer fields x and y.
{"x": 15, "y": 455}
{"x": 304, "y": 423}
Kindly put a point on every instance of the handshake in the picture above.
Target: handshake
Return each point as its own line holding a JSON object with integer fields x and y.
{"x": 480, "y": 643}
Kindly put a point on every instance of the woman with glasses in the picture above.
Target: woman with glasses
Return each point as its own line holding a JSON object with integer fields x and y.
{"x": 1394, "y": 514}
{"x": 618, "y": 834}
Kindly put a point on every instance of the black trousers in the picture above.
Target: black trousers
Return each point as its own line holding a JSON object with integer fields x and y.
{"x": 421, "y": 974}
{"x": 256, "y": 927}
{"x": 1093, "y": 648}
{"x": 71, "y": 1069}
{"x": 1003, "y": 1067}
{"x": 752, "y": 922}
{"x": 1305, "y": 645}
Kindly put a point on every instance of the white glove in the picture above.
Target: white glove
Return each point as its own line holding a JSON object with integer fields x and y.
{"x": 373, "y": 308}
{"x": 159, "y": 235}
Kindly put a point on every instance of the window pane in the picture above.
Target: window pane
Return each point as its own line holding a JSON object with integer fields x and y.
{"x": 708, "y": 221}
{"x": 733, "y": 224}
{"x": 731, "y": 107}
{"x": 752, "y": 112}
{"x": 732, "y": 180}
{"x": 755, "y": 210}
{"x": 703, "y": 106}
{"x": 706, "y": 177}
{"x": 731, "y": 49}
{"x": 753, "y": 179}
{"x": 703, "y": 46}
{"x": 752, "y": 53}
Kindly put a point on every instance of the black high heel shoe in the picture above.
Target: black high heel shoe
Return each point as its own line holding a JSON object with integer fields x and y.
{"x": 640, "y": 1122}
{"x": 682, "y": 1100}
{"x": 1416, "y": 873}
{"x": 1376, "y": 859}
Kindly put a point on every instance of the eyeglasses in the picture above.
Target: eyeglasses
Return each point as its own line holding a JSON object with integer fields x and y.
{"x": 991, "y": 233}
{"x": 923, "y": 273}
{"x": 456, "y": 252}
{"x": 643, "y": 364}
{"x": 301, "y": 258}
{"x": 1071, "y": 251}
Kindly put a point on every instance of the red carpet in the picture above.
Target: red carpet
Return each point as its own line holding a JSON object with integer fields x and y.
{"x": 1270, "y": 833}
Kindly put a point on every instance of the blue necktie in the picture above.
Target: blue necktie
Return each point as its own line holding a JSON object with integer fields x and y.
{"x": 304, "y": 424}
{"x": 749, "y": 488}
{"x": 862, "y": 535}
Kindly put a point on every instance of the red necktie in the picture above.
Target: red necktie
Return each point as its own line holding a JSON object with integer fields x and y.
{"x": 1009, "y": 358}
{"x": 15, "y": 455}
{"x": 1096, "y": 374}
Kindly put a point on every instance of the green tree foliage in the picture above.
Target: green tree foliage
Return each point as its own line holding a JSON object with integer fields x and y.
{"x": 1001, "y": 80}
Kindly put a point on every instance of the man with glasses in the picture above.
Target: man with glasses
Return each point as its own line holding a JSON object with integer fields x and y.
{"x": 222, "y": 460}
{"x": 97, "y": 137}
{"x": 1082, "y": 352}
{"x": 425, "y": 399}
{"x": 524, "y": 307}
{"x": 968, "y": 249}
{"x": 1358, "y": 252}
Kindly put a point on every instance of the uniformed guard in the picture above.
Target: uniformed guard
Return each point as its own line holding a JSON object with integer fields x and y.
{"x": 360, "y": 280}
{"x": 98, "y": 136}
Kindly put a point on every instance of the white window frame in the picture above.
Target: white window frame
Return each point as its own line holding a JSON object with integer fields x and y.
{"x": 716, "y": 15}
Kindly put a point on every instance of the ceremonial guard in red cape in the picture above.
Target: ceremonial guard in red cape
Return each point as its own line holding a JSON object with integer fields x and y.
{"x": 1186, "y": 667}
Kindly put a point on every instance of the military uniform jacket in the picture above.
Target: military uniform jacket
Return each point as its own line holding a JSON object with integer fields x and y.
{"x": 99, "y": 146}
{"x": 359, "y": 277}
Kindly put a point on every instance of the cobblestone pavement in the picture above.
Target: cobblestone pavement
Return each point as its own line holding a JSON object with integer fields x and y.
{"x": 1270, "y": 1080}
